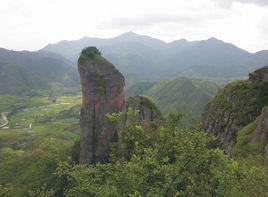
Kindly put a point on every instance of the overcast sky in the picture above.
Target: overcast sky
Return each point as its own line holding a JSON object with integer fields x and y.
{"x": 32, "y": 24}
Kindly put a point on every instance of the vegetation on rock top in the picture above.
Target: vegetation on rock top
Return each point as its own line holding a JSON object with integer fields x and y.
{"x": 90, "y": 52}
{"x": 144, "y": 102}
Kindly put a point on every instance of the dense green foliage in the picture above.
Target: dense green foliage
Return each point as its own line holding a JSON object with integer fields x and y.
{"x": 170, "y": 162}
{"x": 93, "y": 54}
{"x": 161, "y": 161}
{"x": 188, "y": 96}
{"x": 90, "y": 52}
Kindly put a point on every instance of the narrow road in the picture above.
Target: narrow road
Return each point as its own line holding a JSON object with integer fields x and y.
{"x": 4, "y": 120}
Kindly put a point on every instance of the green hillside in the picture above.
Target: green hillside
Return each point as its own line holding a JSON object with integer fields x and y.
{"x": 35, "y": 73}
{"x": 18, "y": 80}
{"x": 188, "y": 96}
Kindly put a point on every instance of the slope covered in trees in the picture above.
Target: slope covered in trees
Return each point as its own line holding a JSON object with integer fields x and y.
{"x": 167, "y": 161}
{"x": 188, "y": 96}
{"x": 23, "y": 72}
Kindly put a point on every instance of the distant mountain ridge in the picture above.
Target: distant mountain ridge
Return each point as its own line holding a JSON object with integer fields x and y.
{"x": 24, "y": 72}
{"x": 143, "y": 57}
{"x": 138, "y": 57}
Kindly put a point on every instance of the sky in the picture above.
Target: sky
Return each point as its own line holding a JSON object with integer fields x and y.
{"x": 32, "y": 24}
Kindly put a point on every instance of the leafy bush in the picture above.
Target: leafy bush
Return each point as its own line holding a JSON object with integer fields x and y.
{"x": 173, "y": 162}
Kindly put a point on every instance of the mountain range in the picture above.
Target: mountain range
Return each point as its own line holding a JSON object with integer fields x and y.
{"x": 138, "y": 57}
{"x": 141, "y": 57}
{"x": 24, "y": 72}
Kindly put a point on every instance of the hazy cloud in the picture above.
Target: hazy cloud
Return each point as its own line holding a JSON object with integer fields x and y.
{"x": 192, "y": 18}
{"x": 152, "y": 20}
{"x": 31, "y": 24}
{"x": 228, "y": 3}
{"x": 258, "y": 2}
{"x": 263, "y": 26}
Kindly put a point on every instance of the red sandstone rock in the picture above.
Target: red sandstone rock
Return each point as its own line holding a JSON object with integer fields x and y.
{"x": 103, "y": 92}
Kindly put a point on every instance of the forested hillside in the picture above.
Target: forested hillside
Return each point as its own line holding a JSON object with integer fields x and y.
{"x": 29, "y": 73}
{"x": 187, "y": 96}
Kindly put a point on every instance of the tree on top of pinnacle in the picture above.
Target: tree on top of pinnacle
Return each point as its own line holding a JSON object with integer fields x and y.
{"x": 90, "y": 52}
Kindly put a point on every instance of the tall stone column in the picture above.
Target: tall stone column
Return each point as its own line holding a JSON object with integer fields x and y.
{"x": 103, "y": 92}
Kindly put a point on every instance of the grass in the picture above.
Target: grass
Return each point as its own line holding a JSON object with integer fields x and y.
{"x": 246, "y": 152}
{"x": 243, "y": 136}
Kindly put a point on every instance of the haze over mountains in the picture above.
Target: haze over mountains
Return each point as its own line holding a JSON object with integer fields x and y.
{"x": 24, "y": 72}
{"x": 138, "y": 57}
{"x": 146, "y": 58}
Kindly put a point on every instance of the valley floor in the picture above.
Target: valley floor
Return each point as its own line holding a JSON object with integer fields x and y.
{"x": 39, "y": 131}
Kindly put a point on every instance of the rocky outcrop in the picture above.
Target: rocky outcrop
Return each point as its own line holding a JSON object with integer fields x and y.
{"x": 147, "y": 109}
{"x": 259, "y": 76}
{"x": 235, "y": 106}
{"x": 103, "y": 92}
{"x": 3, "y": 120}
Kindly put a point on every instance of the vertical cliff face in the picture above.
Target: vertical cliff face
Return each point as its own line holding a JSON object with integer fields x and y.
{"x": 235, "y": 106}
{"x": 103, "y": 92}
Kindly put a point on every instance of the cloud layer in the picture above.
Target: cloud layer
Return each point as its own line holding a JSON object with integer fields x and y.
{"x": 228, "y": 3}
{"x": 31, "y": 24}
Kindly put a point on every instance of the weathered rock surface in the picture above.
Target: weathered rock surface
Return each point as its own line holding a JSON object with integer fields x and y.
{"x": 103, "y": 92}
{"x": 3, "y": 120}
{"x": 235, "y": 106}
